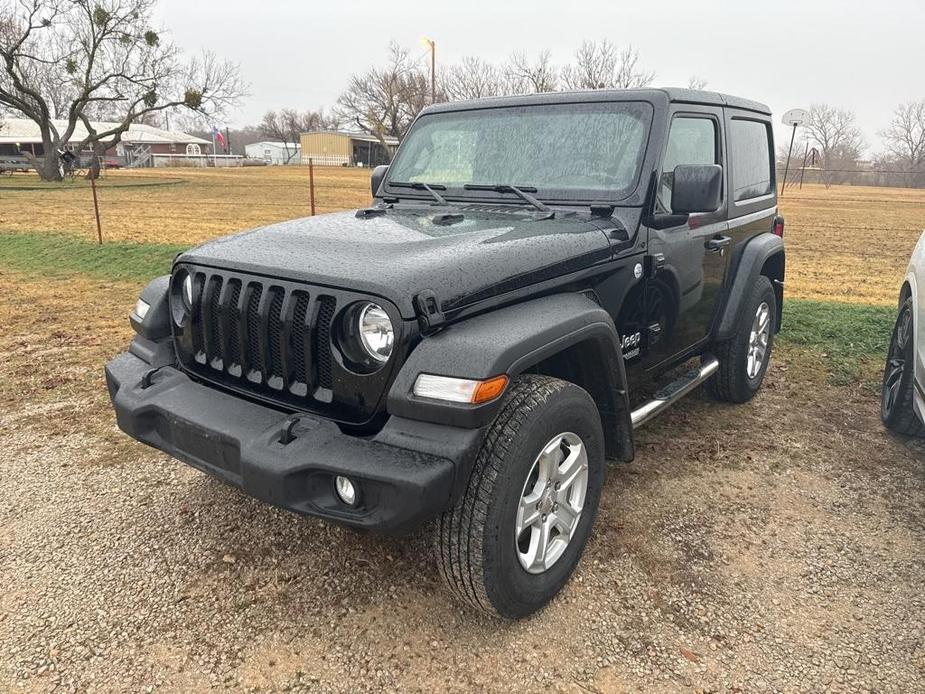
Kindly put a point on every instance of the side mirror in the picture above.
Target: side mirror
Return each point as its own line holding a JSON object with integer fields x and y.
{"x": 696, "y": 189}
{"x": 378, "y": 174}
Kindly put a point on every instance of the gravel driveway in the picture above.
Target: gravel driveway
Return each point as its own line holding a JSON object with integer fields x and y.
{"x": 774, "y": 546}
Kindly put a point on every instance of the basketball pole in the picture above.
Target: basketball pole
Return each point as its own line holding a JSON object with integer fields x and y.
{"x": 787, "y": 165}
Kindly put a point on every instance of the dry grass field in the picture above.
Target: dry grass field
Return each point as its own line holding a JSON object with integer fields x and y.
{"x": 192, "y": 206}
{"x": 849, "y": 243}
{"x": 846, "y": 244}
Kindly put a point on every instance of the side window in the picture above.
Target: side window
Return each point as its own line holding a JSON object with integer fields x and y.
{"x": 750, "y": 154}
{"x": 691, "y": 140}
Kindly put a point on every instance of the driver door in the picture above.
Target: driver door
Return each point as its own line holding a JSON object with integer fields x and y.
{"x": 682, "y": 296}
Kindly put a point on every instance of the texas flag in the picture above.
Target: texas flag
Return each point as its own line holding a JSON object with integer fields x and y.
{"x": 217, "y": 136}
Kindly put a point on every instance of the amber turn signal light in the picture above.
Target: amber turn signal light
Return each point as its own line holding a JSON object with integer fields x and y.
{"x": 489, "y": 390}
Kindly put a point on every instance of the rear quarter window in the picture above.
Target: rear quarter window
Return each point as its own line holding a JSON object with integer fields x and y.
{"x": 750, "y": 153}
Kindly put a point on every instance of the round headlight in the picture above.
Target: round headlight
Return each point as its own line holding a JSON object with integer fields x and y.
{"x": 376, "y": 334}
{"x": 188, "y": 291}
{"x": 181, "y": 296}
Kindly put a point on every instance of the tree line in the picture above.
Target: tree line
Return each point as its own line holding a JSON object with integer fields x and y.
{"x": 84, "y": 61}
{"x": 384, "y": 101}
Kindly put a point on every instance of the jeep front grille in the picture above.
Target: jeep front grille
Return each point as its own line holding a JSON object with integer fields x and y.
{"x": 274, "y": 339}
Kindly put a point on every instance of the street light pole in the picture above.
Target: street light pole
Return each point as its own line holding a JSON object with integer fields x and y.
{"x": 433, "y": 69}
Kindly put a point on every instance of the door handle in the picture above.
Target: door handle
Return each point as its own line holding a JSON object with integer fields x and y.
{"x": 717, "y": 243}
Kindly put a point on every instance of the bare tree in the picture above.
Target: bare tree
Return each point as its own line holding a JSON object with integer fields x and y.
{"x": 287, "y": 126}
{"x": 839, "y": 141}
{"x": 525, "y": 76}
{"x": 276, "y": 126}
{"x": 384, "y": 101}
{"x": 83, "y": 59}
{"x": 600, "y": 65}
{"x": 697, "y": 83}
{"x": 473, "y": 78}
{"x": 905, "y": 137}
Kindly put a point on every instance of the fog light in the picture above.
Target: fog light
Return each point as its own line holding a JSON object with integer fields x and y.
{"x": 345, "y": 490}
{"x": 141, "y": 308}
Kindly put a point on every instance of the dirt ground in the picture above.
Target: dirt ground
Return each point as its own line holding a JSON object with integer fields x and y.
{"x": 778, "y": 545}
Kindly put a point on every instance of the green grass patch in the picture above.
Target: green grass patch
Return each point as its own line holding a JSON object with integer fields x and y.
{"x": 60, "y": 254}
{"x": 851, "y": 339}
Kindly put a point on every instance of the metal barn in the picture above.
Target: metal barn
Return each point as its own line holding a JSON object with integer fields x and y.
{"x": 340, "y": 148}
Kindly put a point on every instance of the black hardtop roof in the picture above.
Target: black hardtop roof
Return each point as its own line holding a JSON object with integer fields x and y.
{"x": 664, "y": 94}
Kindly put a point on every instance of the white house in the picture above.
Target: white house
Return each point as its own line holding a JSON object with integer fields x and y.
{"x": 276, "y": 153}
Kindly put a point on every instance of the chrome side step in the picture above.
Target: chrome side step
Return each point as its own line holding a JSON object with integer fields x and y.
{"x": 674, "y": 391}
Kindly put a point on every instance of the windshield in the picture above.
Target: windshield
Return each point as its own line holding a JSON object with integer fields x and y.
{"x": 586, "y": 151}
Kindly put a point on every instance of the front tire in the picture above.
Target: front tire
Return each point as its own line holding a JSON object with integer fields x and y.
{"x": 743, "y": 359}
{"x": 896, "y": 408}
{"x": 518, "y": 530}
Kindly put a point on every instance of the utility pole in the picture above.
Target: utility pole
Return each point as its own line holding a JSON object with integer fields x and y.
{"x": 433, "y": 69}
{"x": 213, "y": 147}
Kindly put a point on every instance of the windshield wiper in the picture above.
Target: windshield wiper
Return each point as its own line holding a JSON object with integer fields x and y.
{"x": 523, "y": 192}
{"x": 429, "y": 187}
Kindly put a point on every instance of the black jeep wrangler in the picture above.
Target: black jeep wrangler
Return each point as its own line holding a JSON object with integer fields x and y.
{"x": 472, "y": 347}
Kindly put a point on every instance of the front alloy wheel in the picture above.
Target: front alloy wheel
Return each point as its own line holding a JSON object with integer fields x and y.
{"x": 517, "y": 531}
{"x": 551, "y": 502}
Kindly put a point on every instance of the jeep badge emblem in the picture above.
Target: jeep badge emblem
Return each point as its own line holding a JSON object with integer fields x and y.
{"x": 637, "y": 271}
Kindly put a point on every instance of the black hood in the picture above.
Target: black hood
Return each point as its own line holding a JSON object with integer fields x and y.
{"x": 408, "y": 249}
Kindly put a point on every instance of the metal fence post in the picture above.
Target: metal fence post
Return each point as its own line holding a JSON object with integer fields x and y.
{"x": 96, "y": 206}
{"x": 311, "y": 183}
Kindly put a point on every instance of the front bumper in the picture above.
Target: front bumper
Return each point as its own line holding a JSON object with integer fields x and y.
{"x": 406, "y": 474}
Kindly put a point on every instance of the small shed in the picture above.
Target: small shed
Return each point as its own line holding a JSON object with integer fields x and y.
{"x": 342, "y": 148}
{"x": 276, "y": 153}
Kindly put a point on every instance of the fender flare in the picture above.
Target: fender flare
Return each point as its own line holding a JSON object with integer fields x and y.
{"x": 510, "y": 341}
{"x": 746, "y": 271}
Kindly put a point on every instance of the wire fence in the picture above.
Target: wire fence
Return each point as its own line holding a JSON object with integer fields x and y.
{"x": 326, "y": 189}
{"x": 126, "y": 200}
{"x": 879, "y": 178}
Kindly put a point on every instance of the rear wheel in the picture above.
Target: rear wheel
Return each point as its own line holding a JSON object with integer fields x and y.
{"x": 896, "y": 407}
{"x": 518, "y": 530}
{"x": 743, "y": 359}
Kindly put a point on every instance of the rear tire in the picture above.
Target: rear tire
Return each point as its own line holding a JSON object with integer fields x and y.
{"x": 489, "y": 555}
{"x": 896, "y": 395}
{"x": 743, "y": 359}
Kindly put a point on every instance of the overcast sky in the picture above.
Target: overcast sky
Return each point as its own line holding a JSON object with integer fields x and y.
{"x": 866, "y": 56}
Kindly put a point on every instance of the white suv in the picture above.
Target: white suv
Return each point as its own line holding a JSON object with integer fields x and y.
{"x": 902, "y": 404}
